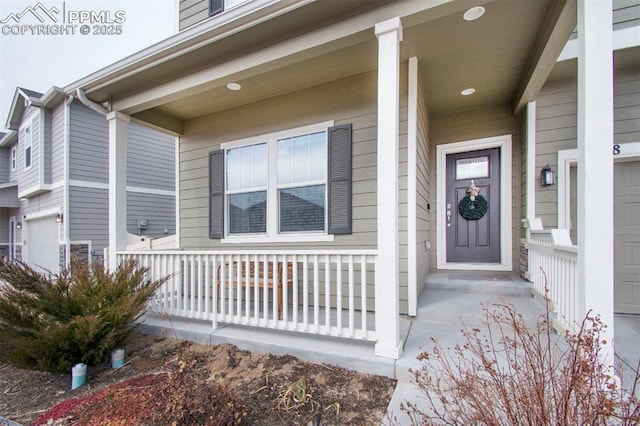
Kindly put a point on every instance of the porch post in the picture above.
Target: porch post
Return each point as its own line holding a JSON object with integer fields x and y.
{"x": 117, "y": 185}
{"x": 595, "y": 163}
{"x": 389, "y": 34}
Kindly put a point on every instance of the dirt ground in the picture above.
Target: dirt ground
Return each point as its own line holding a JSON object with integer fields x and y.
{"x": 261, "y": 380}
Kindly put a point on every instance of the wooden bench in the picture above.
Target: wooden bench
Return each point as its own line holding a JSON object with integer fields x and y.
{"x": 248, "y": 278}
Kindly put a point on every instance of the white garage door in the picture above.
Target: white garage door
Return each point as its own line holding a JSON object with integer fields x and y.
{"x": 627, "y": 237}
{"x": 42, "y": 244}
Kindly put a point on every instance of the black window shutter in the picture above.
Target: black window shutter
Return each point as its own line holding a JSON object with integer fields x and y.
{"x": 339, "y": 179}
{"x": 215, "y": 7}
{"x": 216, "y": 194}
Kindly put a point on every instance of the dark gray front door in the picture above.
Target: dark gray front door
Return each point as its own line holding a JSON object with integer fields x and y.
{"x": 473, "y": 241}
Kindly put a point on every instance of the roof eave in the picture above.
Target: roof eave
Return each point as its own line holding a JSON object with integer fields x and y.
{"x": 189, "y": 39}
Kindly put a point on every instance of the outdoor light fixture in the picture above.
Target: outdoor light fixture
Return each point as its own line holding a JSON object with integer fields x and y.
{"x": 473, "y": 13}
{"x": 19, "y": 225}
{"x": 547, "y": 176}
{"x": 59, "y": 218}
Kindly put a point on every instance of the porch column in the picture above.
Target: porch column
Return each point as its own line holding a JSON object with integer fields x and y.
{"x": 595, "y": 163}
{"x": 117, "y": 185}
{"x": 389, "y": 34}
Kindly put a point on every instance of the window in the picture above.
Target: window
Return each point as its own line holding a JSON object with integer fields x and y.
{"x": 298, "y": 190}
{"x": 13, "y": 158}
{"x": 27, "y": 147}
{"x": 219, "y": 6}
{"x": 302, "y": 178}
{"x": 289, "y": 186}
{"x": 246, "y": 177}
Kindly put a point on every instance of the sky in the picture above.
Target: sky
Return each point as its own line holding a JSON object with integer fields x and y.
{"x": 46, "y": 47}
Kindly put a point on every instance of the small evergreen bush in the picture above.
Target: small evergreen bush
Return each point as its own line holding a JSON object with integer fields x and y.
{"x": 54, "y": 322}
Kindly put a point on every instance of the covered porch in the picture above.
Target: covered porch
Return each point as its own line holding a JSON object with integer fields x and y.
{"x": 394, "y": 73}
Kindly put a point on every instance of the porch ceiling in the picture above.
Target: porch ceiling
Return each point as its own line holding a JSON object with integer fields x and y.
{"x": 492, "y": 54}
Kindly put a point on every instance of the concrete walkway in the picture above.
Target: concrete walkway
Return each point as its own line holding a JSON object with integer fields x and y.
{"x": 448, "y": 301}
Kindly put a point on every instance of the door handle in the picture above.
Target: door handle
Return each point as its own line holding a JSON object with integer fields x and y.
{"x": 448, "y": 215}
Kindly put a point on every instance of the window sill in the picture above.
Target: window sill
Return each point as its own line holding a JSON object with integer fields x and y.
{"x": 257, "y": 239}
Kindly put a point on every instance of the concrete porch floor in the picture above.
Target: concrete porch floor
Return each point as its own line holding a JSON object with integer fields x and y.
{"x": 449, "y": 300}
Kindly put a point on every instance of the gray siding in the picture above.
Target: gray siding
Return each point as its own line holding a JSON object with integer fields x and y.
{"x": 476, "y": 124}
{"x": 150, "y": 158}
{"x": 192, "y": 12}
{"x": 556, "y": 128}
{"x": 9, "y": 197}
{"x": 626, "y": 13}
{"x": 89, "y": 213}
{"x": 424, "y": 227}
{"x": 45, "y": 156}
{"x": 158, "y": 210}
{"x": 89, "y": 145}
{"x": 57, "y": 143}
{"x": 5, "y": 164}
{"x": 351, "y": 100}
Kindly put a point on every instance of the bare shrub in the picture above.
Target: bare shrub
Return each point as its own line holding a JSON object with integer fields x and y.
{"x": 511, "y": 374}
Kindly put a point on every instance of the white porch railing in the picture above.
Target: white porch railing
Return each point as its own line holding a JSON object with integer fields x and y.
{"x": 324, "y": 292}
{"x": 559, "y": 263}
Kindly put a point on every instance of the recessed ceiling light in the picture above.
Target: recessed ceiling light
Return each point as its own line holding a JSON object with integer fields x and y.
{"x": 234, "y": 86}
{"x": 469, "y": 91}
{"x": 473, "y": 13}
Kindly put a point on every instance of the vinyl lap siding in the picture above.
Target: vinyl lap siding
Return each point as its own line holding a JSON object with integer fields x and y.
{"x": 89, "y": 212}
{"x": 150, "y": 158}
{"x": 158, "y": 210}
{"x": 46, "y": 154}
{"x": 352, "y": 101}
{"x": 57, "y": 143}
{"x": 192, "y": 12}
{"x": 424, "y": 225}
{"x": 626, "y": 13}
{"x": 89, "y": 145}
{"x": 5, "y": 164}
{"x": 556, "y": 128}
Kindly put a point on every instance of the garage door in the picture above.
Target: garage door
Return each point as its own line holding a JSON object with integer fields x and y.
{"x": 627, "y": 237}
{"x": 42, "y": 244}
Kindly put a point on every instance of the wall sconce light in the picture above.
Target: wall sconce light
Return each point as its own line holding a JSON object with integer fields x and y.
{"x": 547, "y": 176}
{"x": 19, "y": 225}
{"x": 59, "y": 218}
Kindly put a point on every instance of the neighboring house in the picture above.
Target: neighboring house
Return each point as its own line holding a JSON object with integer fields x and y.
{"x": 54, "y": 181}
{"x": 326, "y": 149}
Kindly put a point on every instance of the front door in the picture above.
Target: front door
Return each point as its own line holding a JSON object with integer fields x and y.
{"x": 473, "y": 226}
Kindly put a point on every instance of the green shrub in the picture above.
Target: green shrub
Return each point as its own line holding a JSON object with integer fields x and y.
{"x": 81, "y": 315}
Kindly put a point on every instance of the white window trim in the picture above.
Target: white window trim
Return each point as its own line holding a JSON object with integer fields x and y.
{"x": 14, "y": 158}
{"x": 506, "y": 226}
{"x": 272, "y": 234}
{"x": 29, "y": 145}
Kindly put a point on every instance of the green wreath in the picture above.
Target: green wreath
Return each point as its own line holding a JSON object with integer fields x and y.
{"x": 473, "y": 210}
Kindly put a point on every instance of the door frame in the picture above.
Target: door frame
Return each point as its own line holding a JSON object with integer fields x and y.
{"x": 506, "y": 240}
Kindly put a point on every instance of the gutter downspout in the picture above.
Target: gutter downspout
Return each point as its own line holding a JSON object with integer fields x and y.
{"x": 90, "y": 104}
{"x": 66, "y": 177}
